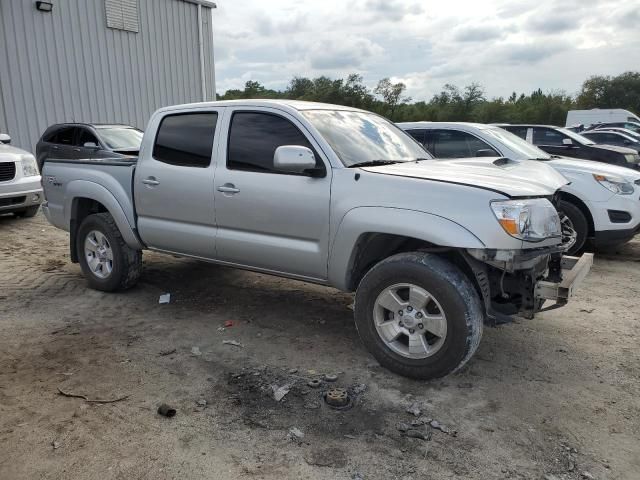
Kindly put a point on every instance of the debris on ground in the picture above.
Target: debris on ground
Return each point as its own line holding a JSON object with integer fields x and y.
{"x": 438, "y": 426}
{"x": 164, "y": 353}
{"x": 167, "y": 411}
{"x": 312, "y": 405}
{"x": 357, "y": 476}
{"x": 414, "y": 409}
{"x": 280, "y": 392}
{"x": 337, "y": 398}
{"x": 55, "y": 444}
{"x": 228, "y": 323}
{"x": 359, "y": 388}
{"x": 403, "y": 427}
{"x": 202, "y": 402}
{"x": 195, "y": 351}
{"x": 422, "y": 435}
{"x": 587, "y": 310}
{"x": 314, "y": 383}
{"x": 330, "y": 377}
{"x": 295, "y": 434}
{"x": 293, "y": 371}
{"x": 587, "y": 476}
{"x": 164, "y": 298}
{"x": 88, "y": 400}
{"x": 234, "y": 343}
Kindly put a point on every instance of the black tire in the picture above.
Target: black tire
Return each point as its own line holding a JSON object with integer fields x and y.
{"x": 127, "y": 262}
{"x": 28, "y": 212}
{"x": 579, "y": 223}
{"x": 454, "y": 292}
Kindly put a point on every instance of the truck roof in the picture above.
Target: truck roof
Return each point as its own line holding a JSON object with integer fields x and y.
{"x": 299, "y": 105}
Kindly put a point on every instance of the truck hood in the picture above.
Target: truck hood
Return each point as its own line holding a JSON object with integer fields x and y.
{"x": 591, "y": 166}
{"x": 524, "y": 178}
{"x": 11, "y": 154}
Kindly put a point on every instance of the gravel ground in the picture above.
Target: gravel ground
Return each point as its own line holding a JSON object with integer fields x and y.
{"x": 556, "y": 397}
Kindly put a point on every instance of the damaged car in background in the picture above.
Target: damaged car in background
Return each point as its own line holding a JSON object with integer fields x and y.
{"x": 334, "y": 196}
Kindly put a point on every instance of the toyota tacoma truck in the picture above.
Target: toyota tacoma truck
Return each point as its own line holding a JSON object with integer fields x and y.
{"x": 335, "y": 196}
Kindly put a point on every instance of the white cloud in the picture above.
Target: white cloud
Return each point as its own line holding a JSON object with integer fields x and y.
{"x": 504, "y": 45}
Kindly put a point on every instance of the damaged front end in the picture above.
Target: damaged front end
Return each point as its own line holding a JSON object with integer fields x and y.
{"x": 520, "y": 281}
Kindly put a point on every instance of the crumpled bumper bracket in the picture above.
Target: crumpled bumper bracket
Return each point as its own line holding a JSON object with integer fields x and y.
{"x": 574, "y": 270}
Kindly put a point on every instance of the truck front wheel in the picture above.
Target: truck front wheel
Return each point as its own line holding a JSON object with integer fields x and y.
{"x": 107, "y": 262}
{"x": 419, "y": 315}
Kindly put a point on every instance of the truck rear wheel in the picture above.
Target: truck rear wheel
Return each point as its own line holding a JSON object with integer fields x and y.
{"x": 419, "y": 315}
{"x": 107, "y": 262}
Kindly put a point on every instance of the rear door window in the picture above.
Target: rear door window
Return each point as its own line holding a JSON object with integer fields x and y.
{"x": 519, "y": 131}
{"x": 64, "y": 136}
{"x": 186, "y": 139}
{"x": 418, "y": 135}
{"x": 547, "y": 136}
{"x": 457, "y": 144}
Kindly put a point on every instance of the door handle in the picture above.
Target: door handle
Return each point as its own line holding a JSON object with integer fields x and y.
{"x": 151, "y": 181}
{"x": 55, "y": 148}
{"x": 76, "y": 149}
{"x": 228, "y": 188}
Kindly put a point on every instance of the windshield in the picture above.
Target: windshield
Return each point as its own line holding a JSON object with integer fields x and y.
{"x": 360, "y": 137}
{"x": 118, "y": 138}
{"x": 517, "y": 144}
{"x": 574, "y": 136}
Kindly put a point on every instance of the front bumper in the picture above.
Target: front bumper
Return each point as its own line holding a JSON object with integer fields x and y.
{"x": 612, "y": 238}
{"x": 574, "y": 270}
{"x": 19, "y": 200}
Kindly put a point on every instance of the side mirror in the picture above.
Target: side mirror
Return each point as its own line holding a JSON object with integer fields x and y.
{"x": 90, "y": 145}
{"x": 294, "y": 159}
{"x": 567, "y": 141}
{"x": 4, "y": 138}
{"x": 487, "y": 152}
{"x": 627, "y": 142}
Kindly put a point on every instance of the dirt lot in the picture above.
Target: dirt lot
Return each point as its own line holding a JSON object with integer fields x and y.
{"x": 556, "y": 396}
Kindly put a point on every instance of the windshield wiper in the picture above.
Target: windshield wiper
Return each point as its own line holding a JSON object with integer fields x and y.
{"x": 374, "y": 163}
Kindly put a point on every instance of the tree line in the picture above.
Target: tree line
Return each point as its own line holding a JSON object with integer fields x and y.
{"x": 453, "y": 103}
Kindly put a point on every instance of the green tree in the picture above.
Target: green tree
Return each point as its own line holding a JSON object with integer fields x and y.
{"x": 392, "y": 95}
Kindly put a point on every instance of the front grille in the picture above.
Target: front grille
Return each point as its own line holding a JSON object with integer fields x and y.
{"x": 7, "y": 171}
{"x": 7, "y": 202}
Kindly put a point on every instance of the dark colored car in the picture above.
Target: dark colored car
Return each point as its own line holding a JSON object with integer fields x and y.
{"x": 72, "y": 141}
{"x": 633, "y": 126}
{"x": 610, "y": 137}
{"x": 560, "y": 141}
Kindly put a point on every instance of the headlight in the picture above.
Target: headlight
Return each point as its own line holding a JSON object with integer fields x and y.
{"x": 614, "y": 184}
{"x": 29, "y": 166}
{"x": 631, "y": 158}
{"x": 532, "y": 220}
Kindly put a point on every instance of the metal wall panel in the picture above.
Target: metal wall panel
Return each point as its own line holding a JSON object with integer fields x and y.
{"x": 67, "y": 66}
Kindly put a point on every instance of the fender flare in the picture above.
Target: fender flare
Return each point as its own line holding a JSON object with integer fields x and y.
{"x": 416, "y": 224}
{"x": 86, "y": 189}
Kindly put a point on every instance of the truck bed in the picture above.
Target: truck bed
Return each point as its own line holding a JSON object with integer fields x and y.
{"x": 65, "y": 179}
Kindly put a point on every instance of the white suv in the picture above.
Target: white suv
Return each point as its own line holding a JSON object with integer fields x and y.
{"x": 20, "y": 186}
{"x": 602, "y": 201}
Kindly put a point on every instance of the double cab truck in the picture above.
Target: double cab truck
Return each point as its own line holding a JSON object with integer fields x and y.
{"x": 335, "y": 196}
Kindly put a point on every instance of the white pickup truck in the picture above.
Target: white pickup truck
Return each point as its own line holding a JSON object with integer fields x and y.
{"x": 335, "y": 196}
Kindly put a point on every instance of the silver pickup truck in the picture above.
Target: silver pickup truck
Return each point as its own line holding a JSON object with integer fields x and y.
{"x": 335, "y": 196}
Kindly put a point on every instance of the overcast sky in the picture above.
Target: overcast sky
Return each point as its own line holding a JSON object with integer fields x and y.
{"x": 505, "y": 45}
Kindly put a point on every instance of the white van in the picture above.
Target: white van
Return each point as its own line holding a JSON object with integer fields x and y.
{"x": 599, "y": 115}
